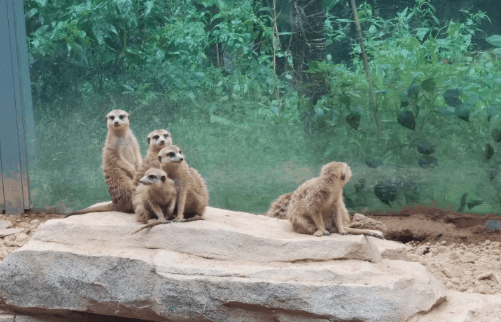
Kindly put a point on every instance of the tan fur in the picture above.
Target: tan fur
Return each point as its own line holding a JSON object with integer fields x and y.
{"x": 121, "y": 160}
{"x": 192, "y": 193}
{"x": 280, "y": 206}
{"x": 155, "y": 197}
{"x": 157, "y": 140}
{"x": 317, "y": 206}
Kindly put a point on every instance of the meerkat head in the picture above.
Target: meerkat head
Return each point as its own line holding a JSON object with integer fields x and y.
{"x": 169, "y": 155}
{"x": 117, "y": 119}
{"x": 154, "y": 176}
{"x": 336, "y": 171}
{"x": 159, "y": 139}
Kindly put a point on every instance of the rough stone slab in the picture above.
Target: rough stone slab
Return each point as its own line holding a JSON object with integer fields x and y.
{"x": 7, "y": 317}
{"x": 213, "y": 270}
{"x": 225, "y": 235}
{"x": 391, "y": 250}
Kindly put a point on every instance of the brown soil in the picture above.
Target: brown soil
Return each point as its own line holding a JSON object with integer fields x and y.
{"x": 431, "y": 224}
{"x": 456, "y": 248}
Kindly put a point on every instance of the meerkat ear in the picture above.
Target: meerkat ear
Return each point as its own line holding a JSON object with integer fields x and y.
{"x": 159, "y": 159}
{"x": 343, "y": 176}
{"x": 164, "y": 178}
{"x": 148, "y": 140}
{"x": 105, "y": 119}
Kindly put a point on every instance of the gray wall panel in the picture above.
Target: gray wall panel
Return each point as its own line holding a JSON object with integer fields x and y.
{"x": 12, "y": 122}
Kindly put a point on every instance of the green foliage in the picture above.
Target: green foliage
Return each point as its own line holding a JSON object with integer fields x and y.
{"x": 155, "y": 59}
{"x": 414, "y": 61}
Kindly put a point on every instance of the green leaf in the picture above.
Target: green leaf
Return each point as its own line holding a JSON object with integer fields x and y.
{"x": 494, "y": 40}
{"x": 42, "y": 3}
{"x": 31, "y": 13}
{"x": 129, "y": 88}
{"x": 429, "y": 84}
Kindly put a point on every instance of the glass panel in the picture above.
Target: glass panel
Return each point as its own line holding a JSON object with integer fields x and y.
{"x": 260, "y": 94}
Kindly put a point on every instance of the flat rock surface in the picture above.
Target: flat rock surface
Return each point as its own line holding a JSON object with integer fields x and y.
{"x": 231, "y": 267}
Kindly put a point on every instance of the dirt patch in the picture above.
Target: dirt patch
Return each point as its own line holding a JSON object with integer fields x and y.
{"x": 462, "y": 250}
{"x": 431, "y": 224}
{"x": 29, "y": 222}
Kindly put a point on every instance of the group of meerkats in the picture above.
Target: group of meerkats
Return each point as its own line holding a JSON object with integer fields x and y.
{"x": 163, "y": 184}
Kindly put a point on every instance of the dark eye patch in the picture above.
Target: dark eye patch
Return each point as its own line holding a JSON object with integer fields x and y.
{"x": 171, "y": 154}
{"x": 112, "y": 117}
{"x": 122, "y": 117}
{"x": 166, "y": 135}
{"x": 156, "y": 137}
{"x": 151, "y": 177}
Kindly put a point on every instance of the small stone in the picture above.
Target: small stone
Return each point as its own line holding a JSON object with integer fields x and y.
{"x": 484, "y": 276}
{"x": 4, "y": 224}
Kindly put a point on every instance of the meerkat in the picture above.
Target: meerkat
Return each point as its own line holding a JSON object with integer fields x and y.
{"x": 192, "y": 193}
{"x": 155, "y": 196}
{"x": 121, "y": 160}
{"x": 157, "y": 140}
{"x": 317, "y": 206}
{"x": 280, "y": 206}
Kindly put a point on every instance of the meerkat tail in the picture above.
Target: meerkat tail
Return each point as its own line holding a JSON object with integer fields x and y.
{"x": 365, "y": 232}
{"x": 101, "y": 208}
{"x": 152, "y": 224}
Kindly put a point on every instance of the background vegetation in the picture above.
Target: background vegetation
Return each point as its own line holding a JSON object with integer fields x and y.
{"x": 258, "y": 106}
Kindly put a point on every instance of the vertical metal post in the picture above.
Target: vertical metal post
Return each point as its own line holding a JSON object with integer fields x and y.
{"x": 16, "y": 111}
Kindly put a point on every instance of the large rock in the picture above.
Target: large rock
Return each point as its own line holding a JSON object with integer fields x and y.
{"x": 230, "y": 267}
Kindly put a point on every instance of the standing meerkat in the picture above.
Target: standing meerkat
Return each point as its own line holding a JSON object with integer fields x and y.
{"x": 155, "y": 196}
{"x": 280, "y": 206}
{"x": 121, "y": 160}
{"x": 317, "y": 206}
{"x": 157, "y": 140}
{"x": 192, "y": 193}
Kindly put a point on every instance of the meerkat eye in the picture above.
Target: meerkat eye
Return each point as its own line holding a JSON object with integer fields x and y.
{"x": 166, "y": 135}
{"x": 171, "y": 154}
{"x": 180, "y": 152}
{"x": 122, "y": 117}
{"x": 151, "y": 177}
{"x": 156, "y": 137}
{"x": 112, "y": 117}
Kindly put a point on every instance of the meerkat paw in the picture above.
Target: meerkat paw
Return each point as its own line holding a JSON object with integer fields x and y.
{"x": 179, "y": 219}
{"x": 342, "y": 232}
{"x": 320, "y": 233}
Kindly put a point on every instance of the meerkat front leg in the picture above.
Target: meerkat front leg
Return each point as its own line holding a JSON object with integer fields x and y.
{"x": 127, "y": 167}
{"x": 342, "y": 217}
{"x": 170, "y": 210}
{"x": 181, "y": 202}
{"x": 158, "y": 211}
{"x": 319, "y": 224}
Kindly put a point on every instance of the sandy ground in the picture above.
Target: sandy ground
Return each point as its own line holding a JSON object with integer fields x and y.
{"x": 29, "y": 222}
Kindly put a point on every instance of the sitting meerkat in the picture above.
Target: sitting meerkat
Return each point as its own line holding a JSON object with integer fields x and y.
{"x": 192, "y": 193}
{"x": 155, "y": 196}
{"x": 121, "y": 160}
{"x": 317, "y": 206}
{"x": 280, "y": 206}
{"x": 157, "y": 140}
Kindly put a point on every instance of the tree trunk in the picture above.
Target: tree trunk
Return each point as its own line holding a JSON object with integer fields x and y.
{"x": 308, "y": 44}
